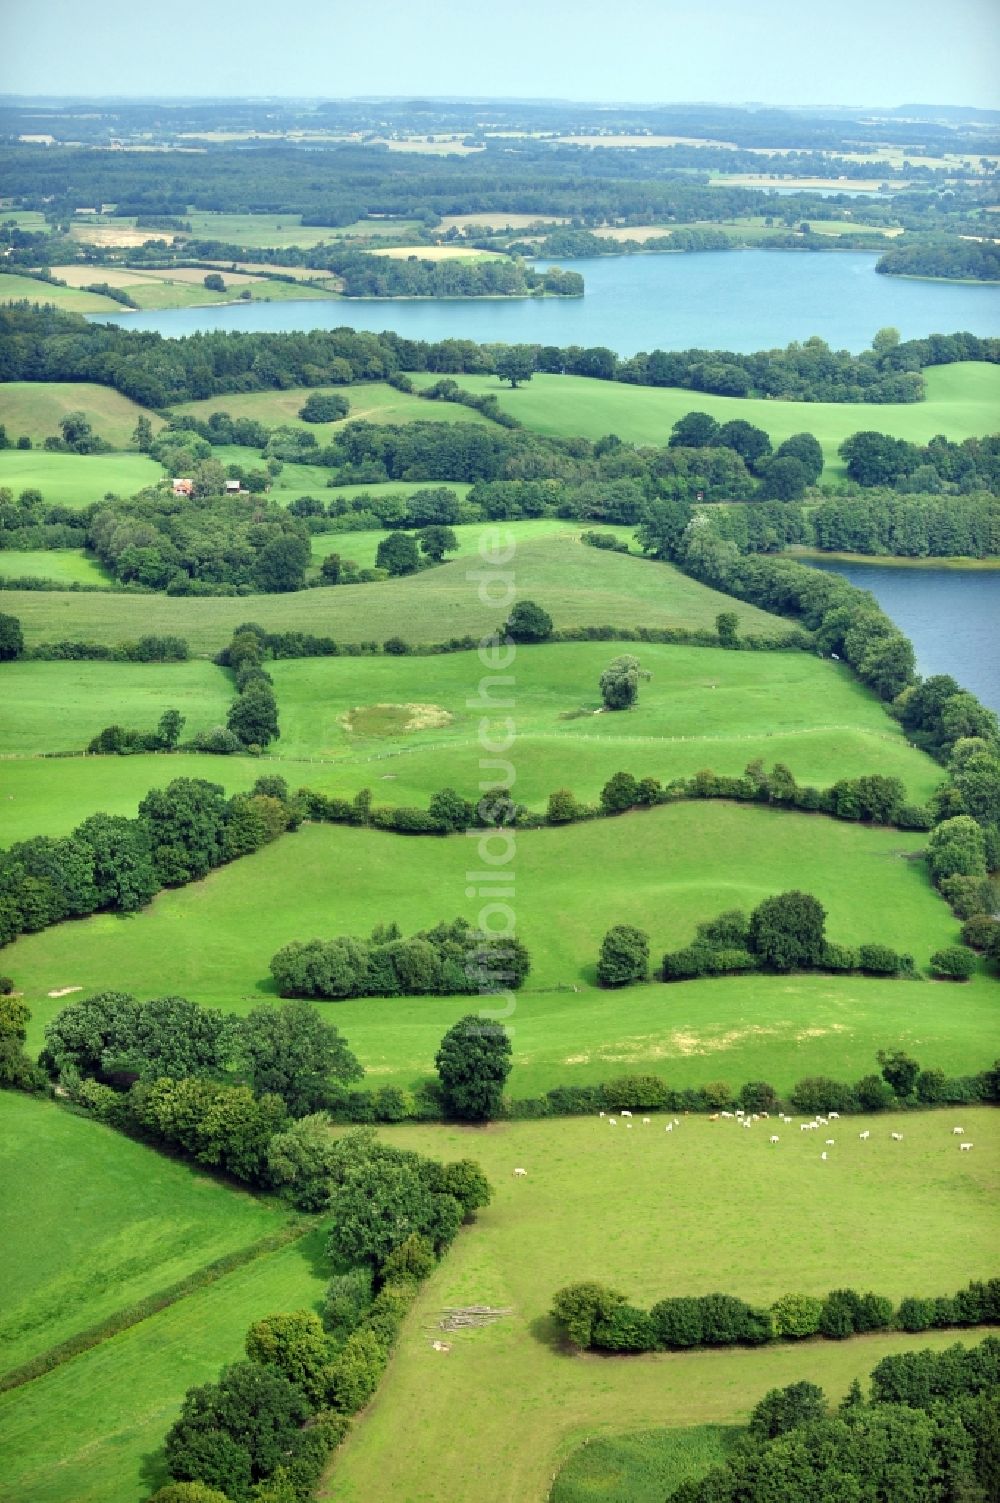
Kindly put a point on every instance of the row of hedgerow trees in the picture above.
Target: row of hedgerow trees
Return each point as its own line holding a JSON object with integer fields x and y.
{"x": 784, "y": 933}
{"x": 594, "y": 1317}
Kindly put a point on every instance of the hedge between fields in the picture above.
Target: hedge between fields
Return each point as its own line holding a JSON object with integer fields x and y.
{"x": 595, "y": 1318}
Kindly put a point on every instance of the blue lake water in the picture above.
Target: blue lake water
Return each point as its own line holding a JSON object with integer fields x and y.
{"x": 952, "y": 617}
{"x": 736, "y": 300}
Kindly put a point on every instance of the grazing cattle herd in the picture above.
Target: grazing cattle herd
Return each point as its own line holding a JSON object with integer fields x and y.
{"x": 748, "y": 1119}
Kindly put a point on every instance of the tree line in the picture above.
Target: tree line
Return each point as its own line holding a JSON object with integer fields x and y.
{"x": 593, "y": 1317}
{"x": 954, "y": 259}
{"x": 41, "y": 344}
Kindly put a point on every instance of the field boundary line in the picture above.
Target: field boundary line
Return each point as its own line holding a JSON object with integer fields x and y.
{"x": 134, "y": 1314}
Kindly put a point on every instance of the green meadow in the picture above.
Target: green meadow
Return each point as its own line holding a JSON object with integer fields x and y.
{"x": 91, "y": 1222}
{"x": 362, "y": 547}
{"x": 59, "y": 707}
{"x": 578, "y": 586}
{"x": 372, "y": 402}
{"x": 92, "y": 1430}
{"x": 707, "y": 1208}
{"x": 962, "y": 402}
{"x": 16, "y": 289}
{"x": 664, "y": 870}
{"x": 64, "y": 566}
{"x": 36, "y": 408}
{"x": 76, "y": 479}
{"x": 643, "y": 1467}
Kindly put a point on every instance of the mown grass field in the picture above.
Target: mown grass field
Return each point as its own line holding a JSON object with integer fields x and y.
{"x": 577, "y": 585}
{"x": 362, "y": 547}
{"x": 372, "y": 402}
{"x": 92, "y": 1221}
{"x": 36, "y": 408}
{"x": 962, "y": 402}
{"x": 76, "y": 479}
{"x": 63, "y": 565}
{"x": 92, "y": 1430}
{"x": 60, "y": 706}
{"x": 708, "y": 1208}
{"x": 15, "y": 289}
{"x": 663, "y": 870}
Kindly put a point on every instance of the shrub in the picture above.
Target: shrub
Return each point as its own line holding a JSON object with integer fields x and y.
{"x": 348, "y": 1296}
{"x": 953, "y": 963}
{"x": 730, "y": 930}
{"x": 563, "y": 808}
{"x": 915, "y": 1314}
{"x": 578, "y": 1308}
{"x": 797, "y": 1316}
{"x": 967, "y": 896}
{"x": 818, "y": 1093}
{"x": 625, "y": 1329}
{"x": 981, "y": 932}
{"x": 528, "y": 622}
{"x": 687, "y": 964}
{"x": 786, "y": 931}
{"x": 635, "y": 1093}
{"x": 412, "y": 1259}
{"x": 677, "y": 1323}
{"x": 878, "y": 960}
{"x": 624, "y": 957}
{"x": 839, "y": 957}
{"x": 758, "y": 1096}
{"x": 353, "y": 1376}
{"x": 619, "y": 793}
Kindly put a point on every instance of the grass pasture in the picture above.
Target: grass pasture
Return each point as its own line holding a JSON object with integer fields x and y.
{"x": 644, "y": 1467}
{"x": 707, "y": 1208}
{"x": 362, "y": 547}
{"x": 374, "y": 402}
{"x": 63, "y": 566}
{"x": 702, "y": 707}
{"x": 663, "y": 870}
{"x": 77, "y": 479}
{"x": 16, "y": 289}
{"x": 93, "y": 1221}
{"x": 36, "y": 408}
{"x": 576, "y": 584}
{"x": 962, "y": 402}
{"x": 58, "y": 707}
{"x": 91, "y": 1431}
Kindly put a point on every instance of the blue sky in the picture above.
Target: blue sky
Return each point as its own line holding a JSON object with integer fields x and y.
{"x": 783, "y": 52}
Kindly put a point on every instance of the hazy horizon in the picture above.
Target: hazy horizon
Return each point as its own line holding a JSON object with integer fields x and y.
{"x": 857, "y": 55}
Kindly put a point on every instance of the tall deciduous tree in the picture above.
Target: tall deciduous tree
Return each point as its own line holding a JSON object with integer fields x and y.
{"x": 293, "y": 1052}
{"x": 473, "y": 1063}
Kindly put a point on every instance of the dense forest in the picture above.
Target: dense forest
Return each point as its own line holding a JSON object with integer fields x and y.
{"x": 958, "y": 260}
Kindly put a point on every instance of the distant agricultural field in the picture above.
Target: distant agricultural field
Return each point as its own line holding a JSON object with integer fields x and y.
{"x": 498, "y": 220}
{"x": 707, "y": 1209}
{"x": 36, "y": 408}
{"x": 576, "y": 584}
{"x": 963, "y": 401}
{"x": 76, "y": 479}
{"x": 664, "y": 870}
{"x": 92, "y": 1221}
{"x": 63, "y": 565}
{"x": 15, "y": 289}
{"x": 438, "y": 253}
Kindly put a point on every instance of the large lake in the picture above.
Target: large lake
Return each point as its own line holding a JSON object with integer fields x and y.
{"x": 735, "y": 300}
{"x": 952, "y": 617}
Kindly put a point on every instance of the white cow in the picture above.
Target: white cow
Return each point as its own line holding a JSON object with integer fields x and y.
{"x": 626, "y": 1114}
{"x": 897, "y": 1137}
{"x": 774, "y": 1138}
{"x": 864, "y": 1136}
{"x": 600, "y": 1114}
{"x": 829, "y": 1142}
{"x": 957, "y": 1132}
{"x": 823, "y": 1156}
{"x": 629, "y": 1126}
{"x": 646, "y": 1121}
{"x": 965, "y": 1147}
{"x": 520, "y": 1173}
{"x": 804, "y": 1126}
{"x": 669, "y": 1127}
{"x": 833, "y": 1116}
{"x": 612, "y": 1121}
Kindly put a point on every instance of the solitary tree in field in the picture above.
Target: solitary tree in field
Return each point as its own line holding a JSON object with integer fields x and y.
{"x": 727, "y": 624}
{"x": 528, "y": 622}
{"x": 213, "y": 281}
{"x": 514, "y": 363}
{"x": 473, "y": 1063}
{"x": 398, "y": 553}
{"x": 11, "y": 638}
{"x": 620, "y": 682}
{"x": 435, "y": 541}
{"x": 624, "y": 956}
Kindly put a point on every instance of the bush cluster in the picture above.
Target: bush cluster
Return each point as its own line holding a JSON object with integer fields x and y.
{"x": 593, "y": 1317}
{"x": 450, "y": 959}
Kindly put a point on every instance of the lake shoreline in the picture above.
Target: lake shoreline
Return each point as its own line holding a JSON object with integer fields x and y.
{"x": 890, "y": 560}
